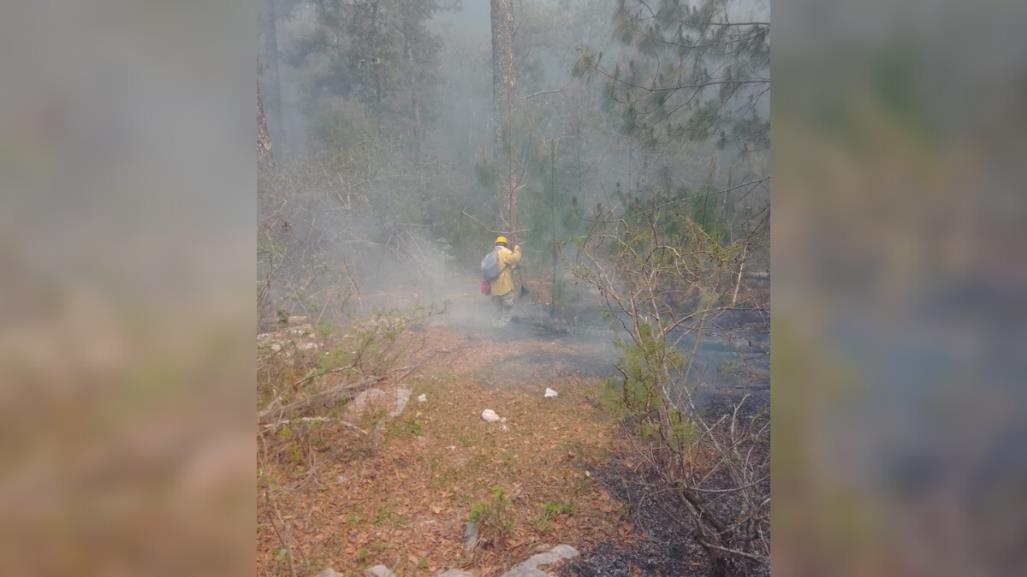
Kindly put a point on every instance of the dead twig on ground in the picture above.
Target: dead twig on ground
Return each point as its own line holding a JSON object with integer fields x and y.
{"x": 320, "y": 397}
{"x": 283, "y": 422}
{"x": 283, "y": 533}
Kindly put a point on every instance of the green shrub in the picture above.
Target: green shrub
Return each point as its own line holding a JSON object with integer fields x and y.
{"x": 492, "y": 516}
{"x": 550, "y": 511}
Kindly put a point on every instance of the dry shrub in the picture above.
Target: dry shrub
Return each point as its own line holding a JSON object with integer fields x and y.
{"x": 664, "y": 277}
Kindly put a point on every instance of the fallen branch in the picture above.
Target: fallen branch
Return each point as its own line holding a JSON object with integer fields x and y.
{"x": 542, "y": 93}
{"x": 408, "y": 370}
{"x": 337, "y": 391}
{"x": 319, "y": 373}
{"x": 277, "y": 424}
{"x": 760, "y": 558}
{"x": 319, "y": 397}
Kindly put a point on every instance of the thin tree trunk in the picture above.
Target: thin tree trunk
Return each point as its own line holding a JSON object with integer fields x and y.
{"x": 552, "y": 209}
{"x": 264, "y": 158}
{"x": 264, "y": 166}
{"x": 272, "y": 80}
{"x": 504, "y": 84}
{"x": 376, "y": 65}
{"x": 417, "y": 129}
{"x": 741, "y": 269}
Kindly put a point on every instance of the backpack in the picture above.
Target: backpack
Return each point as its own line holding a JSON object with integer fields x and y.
{"x": 485, "y": 287}
{"x": 490, "y": 269}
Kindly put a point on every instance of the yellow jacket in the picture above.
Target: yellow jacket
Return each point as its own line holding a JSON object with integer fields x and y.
{"x": 507, "y": 260}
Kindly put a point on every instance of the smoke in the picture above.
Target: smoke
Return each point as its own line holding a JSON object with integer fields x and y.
{"x": 361, "y": 222}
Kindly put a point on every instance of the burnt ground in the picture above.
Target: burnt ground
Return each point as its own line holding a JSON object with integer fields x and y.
{"x": 665, "y": 545}
{"x": 733, "y": 357}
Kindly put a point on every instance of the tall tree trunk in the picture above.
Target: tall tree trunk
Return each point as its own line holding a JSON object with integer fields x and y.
{"x": 263, "y": 138}
{"x": 272, "y": 81}
{"x": 264, "y": 165}
{"x": 376, "y": 64}
{"x": 409, "y": 30}
{"x": 504, "y": 84}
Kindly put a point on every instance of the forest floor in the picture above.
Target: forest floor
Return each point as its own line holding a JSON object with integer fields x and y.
{"x": 401, "y": 495}
{"x": 399, "y": 492}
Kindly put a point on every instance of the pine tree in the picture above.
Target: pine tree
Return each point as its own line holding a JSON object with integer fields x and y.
{"x": 692, "y": 71}
{"x": 381, "y": 54}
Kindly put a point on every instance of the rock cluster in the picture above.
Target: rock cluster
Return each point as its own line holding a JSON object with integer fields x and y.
{"x": 297, "y": 336}
{"x": 530, "y": 567}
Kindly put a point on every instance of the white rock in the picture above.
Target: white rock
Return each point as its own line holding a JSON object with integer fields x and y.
{"x": 329, "y": 572}
{"x": 550, "y": 393}
{"x": 490, "y": 416}
{"x": 275, "y": 347}
{"x": 307, "y": 346}
{"x": 422, "y": 398}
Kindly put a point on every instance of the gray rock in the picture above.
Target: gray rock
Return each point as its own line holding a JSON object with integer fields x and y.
{"x": 367, "y": 400}
{"x": 402, "y": 398}
{"x": 470, "y": 535}
{"x": 392, "y": 401}
{"x": 530, "y": 567}
{"x": 329, "y": 572}
{"x": 378, "y": 571}
{"x": 565, "y": 551}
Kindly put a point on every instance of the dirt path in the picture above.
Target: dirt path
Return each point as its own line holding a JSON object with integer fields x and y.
{"x": 401, "y": 495}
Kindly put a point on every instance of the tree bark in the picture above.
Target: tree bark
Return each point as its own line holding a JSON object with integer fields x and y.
{"x": 409, "y": 31}
{"x": 504, "y": 84}
{"x": 263, "y": 138}
{"x": 272, "y": 81}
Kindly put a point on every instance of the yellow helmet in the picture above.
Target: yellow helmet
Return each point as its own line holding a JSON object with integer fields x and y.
{"x": 501, "y": 240}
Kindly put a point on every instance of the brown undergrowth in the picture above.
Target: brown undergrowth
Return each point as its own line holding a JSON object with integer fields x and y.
{"x": 400, "y": 494}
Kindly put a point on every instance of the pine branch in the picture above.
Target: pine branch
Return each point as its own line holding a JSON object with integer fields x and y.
{"x": 701, "y": 85}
